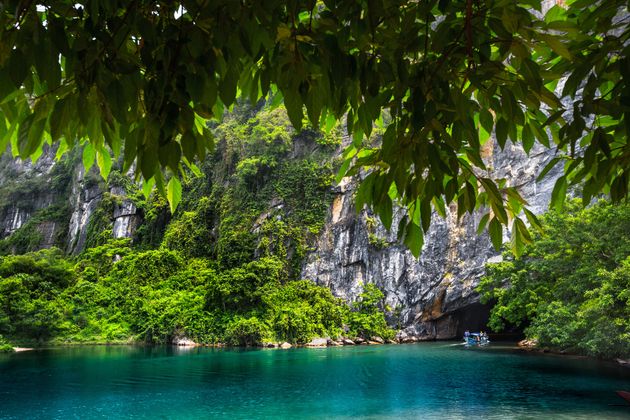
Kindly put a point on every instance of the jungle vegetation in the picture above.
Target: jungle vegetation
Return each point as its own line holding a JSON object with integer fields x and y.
{"x": 225, "y": 268}
{"x": 571, "y": 287}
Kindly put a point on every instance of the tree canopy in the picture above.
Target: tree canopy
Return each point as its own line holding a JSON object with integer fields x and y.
{"x": 143, "y": 78}
{"x": 571, "y": 288}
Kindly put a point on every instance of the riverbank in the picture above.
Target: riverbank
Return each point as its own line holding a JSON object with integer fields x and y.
{"x": 532, "y": 346}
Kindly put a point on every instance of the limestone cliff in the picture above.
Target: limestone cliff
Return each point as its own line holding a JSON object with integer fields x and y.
{"x": 433, "y": 296}
{"x": 51, "y": 203}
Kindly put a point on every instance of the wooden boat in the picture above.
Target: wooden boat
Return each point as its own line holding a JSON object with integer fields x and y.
{"x": 476, "y": 339}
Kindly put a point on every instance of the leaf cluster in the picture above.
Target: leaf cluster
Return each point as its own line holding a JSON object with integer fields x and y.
{"x": 142, "y": 79}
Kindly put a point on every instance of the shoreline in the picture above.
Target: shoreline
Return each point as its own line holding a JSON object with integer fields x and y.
{"x": 526, "y": 346}
{"x": 507, "y": 345}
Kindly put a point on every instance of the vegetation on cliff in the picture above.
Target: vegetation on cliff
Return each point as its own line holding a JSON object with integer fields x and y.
{"x": 225, "y": 268}
{"x": 157, "y": 295}
{"x": 571, "y": 287}
{"x": 43, "y": 199}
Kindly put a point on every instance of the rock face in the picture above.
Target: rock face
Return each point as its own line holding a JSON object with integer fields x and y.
{"x": 184, "y": 342}
{"x": 317, "y": 342}
{"x": 84, "y": 200}
{"x": 126, "y": 216}
{"x": 433, "y": 296}
{"x": 22, "y": 203}
{"x": 30, "y": 189}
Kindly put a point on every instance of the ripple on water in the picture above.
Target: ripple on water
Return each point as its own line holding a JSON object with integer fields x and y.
{"x": 428, "y": 380}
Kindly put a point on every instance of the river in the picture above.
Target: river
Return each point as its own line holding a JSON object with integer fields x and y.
{"x": 424, "y": 380}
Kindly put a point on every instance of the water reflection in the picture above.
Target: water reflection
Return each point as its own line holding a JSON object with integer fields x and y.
{"x": 423, "y": 380}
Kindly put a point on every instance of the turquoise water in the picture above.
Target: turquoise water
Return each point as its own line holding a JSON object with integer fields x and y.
{"x": 427, "y": 380}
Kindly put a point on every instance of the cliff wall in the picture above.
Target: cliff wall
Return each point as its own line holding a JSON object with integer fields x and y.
{"x": 433, "y": 296}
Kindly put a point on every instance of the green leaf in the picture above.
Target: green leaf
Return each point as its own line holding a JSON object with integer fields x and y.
{"x": 130, "y": 149}
{"x": 527, "y": 138}
{"x": 483, "y": 223}
{"x": 8, "y": 135}
{"x": 188, "y": 145}
{"x": 531, "y": 72}
{"x": 520, "y": 237}
{"x": 88, "y": 156}
{"x": 493, "y": 192}
{"x": 523, "y": 231}
{"x": 342, "y": 170}
{"x": 59, "y": 119}
{"x": 293, "y": 104}
{"x": 548, "y": 167}
{"x": 540, "y": 133}
{"x": 486, "y": 120}
{"x": 533, "y": 220}
{"x": 227, "y": 87}
{"x": 18, "y": 67}
{"x": 104, "y": 162}
{"x": 170, "y": 155}
{"x": 30, "y": 135}
{"x": 557, "y": 46}
{"x": 414, "y": 239}
{"x": 502, "y": 132}
{"x": 559, "y": 193}
{"x": 425, "y": 214}
{"x": 385, "y": 212}
{"x": 496, "y": 233}
{"x": 174, "y": 193}
{"x": 147, "y": 187}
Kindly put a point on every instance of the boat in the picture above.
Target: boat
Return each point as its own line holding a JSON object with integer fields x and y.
{"x": 476, "y": 339}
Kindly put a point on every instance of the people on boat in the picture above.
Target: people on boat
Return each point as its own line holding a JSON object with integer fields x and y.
{"x": 479, "y": 339}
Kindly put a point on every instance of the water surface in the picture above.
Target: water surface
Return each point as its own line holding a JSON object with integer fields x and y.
{"x": 427, "y": 380}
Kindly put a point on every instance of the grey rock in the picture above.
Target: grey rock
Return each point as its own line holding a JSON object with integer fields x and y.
{"x": 183, "y": 341}
{"x": 318, "y": 342}
{"x": 434, "y": 295}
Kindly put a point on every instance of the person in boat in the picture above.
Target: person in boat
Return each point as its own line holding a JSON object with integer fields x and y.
{"x": 466, "y": 334}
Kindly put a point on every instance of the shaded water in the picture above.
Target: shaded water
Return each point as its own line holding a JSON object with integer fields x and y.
{"x": 427, "y": 380}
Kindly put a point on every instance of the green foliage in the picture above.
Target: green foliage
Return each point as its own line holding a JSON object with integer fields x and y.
{"x": 300, "y": 311}
{"x": 570, "y": 287}
{"x": 29, "y": 287}
{"x": 116, "y": 294}
{"x": 271, "y": 188}
{"x": 223, "y": 268}
{"x": 246, "y": 331}
{"x": 438, "y": 76}
{"x": 190, "y": 233}
{"x": 150, "y": 233}
{"x": 365, "y": 318}
{"x": 99, "y": 230}
{"x": 5, "y": 347}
